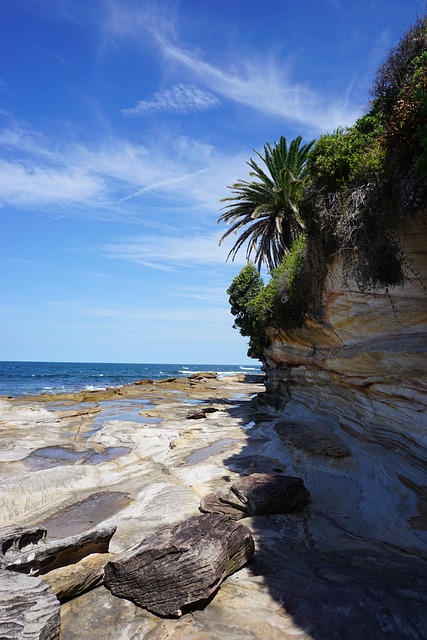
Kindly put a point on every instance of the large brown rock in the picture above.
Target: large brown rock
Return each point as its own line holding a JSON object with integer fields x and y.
{"x": 258, "y": 494}
{"x": 180, "y": 565}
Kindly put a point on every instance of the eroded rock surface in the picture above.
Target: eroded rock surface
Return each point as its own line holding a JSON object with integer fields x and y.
{"x": 351, "y": 565}
{"x": 352, "y": 387}
{"x": 28, "y": 609}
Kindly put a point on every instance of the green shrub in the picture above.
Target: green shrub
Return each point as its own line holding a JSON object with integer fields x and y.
{"x": 281, "y": 303}
{"x": 367, "y": 178}
{"x": 419, "y": 81}
{"x": 350, "y": 156}
{"x": 329, "y": 161}
{"x": 400, "y": 94}
{"x": 291, "y": 281}
{"x": 243, "y": 289}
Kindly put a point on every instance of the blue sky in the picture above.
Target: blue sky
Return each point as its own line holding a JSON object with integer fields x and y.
{"x": 122, "y": 124}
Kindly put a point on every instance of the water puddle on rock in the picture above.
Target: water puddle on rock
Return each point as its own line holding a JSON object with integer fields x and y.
{"x": 109, "y": 453}
{"x": 126, "y": 410}
{"x": 48, "y": 457}
{"x": 76, "y": 407}
{"x": 203, "y": 454}
{"x": 86, "y": 514}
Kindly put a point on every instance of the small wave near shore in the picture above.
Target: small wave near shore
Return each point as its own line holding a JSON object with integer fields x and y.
{"x": 33, "y": 378}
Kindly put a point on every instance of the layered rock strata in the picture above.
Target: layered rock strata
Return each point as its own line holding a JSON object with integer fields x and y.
{"x": 28, "y": 609}
{"x": 348, "y": 396}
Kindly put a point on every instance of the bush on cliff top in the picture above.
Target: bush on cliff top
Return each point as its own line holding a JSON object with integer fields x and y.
{"x": 366, "y": 178}
{"x": 361, "y": 182}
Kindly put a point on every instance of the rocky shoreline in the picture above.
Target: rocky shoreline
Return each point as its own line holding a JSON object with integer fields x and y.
{"x": 144, "y": 456}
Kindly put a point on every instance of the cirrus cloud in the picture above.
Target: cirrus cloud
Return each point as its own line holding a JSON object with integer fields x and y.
{"x": 181, "y": 98}
{"x": 166, "y": 253}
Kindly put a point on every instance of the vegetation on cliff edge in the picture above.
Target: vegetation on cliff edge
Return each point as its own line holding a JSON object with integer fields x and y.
{"x": 344, "y": 195}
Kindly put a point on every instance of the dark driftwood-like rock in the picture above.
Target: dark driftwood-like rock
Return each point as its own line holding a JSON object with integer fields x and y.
{"x": 30, "y": 551}
{"x": 196, "y": 414}
{"x": 258, "y": 494}
{"x": 180, "y": 565}
{"x": 28, "y": 609}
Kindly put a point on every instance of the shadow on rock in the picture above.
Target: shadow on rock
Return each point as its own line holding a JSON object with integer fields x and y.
{"x": 321, "y": 565}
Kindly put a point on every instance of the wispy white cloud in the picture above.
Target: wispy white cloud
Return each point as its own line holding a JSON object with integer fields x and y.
{"x": 267, "y": 86}
{"x": 263, "y": 83}
{"x": 180, "y": 98}
{"x": 186, "y": 172}
{"x": 376, "y": 54}
{"x": 22, "y": 185}
{"x": 129, "y": 20}
{"x": 26, "y": 140}
{"x": 168, "y": 252}
{"x": 103, "y": 176}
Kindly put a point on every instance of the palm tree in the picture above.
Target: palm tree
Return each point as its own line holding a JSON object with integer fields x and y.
{"x": 269, "y": 207}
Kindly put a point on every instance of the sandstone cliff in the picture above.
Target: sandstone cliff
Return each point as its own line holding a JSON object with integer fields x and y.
{"x": 355, "y": 382}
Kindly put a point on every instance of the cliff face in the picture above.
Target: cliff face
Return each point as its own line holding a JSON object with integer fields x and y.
{"x": 350, "y": 398}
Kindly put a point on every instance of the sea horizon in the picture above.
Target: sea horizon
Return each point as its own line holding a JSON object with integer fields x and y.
{"x": 32, "y": 377}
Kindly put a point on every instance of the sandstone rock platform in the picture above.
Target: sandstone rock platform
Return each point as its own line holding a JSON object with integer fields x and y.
{"x": 350, "y": 565}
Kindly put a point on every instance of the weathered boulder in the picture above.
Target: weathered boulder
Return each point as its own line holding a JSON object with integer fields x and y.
{"x": 28, "y": 609}
{"x": 196, "y": 414}
{"x": 29, "y": 551}
{"x": 258, "y": 494}
{"x": 180, "y": 565}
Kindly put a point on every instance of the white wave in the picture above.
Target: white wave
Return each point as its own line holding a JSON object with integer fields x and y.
{"x": 224, "y": 374}
{"x": 91, "y": 387}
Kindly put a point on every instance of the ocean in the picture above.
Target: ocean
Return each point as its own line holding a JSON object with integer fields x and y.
{"x": 29, "y": 378}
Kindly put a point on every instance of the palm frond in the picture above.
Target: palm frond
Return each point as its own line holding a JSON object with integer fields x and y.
{"x": 267, "y": 208}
